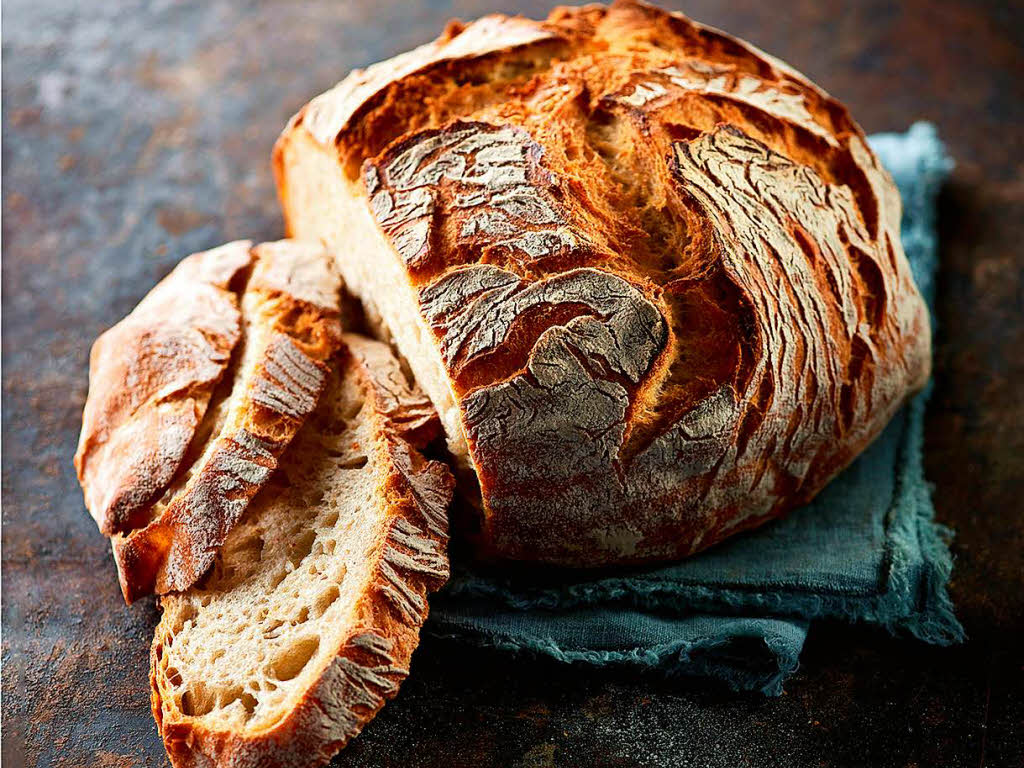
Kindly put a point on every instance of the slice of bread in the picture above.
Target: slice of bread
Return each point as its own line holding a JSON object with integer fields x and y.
{"x": 173, "y": 349}
{"x": 235, "y": 400}
{"x": 307, "y": 621}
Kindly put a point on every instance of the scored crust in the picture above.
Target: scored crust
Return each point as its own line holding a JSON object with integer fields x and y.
{"x": 308, "y": 620}
{"x": 282, "y": 301}
{"x": 173, "y": 348}
{"x": 650, "y": 276}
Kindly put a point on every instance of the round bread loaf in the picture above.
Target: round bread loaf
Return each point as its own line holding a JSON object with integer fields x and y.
{"x": 650, "y": 276}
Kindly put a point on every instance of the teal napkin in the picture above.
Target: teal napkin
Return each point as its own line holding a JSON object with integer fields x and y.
{"x": 867, "y": 549}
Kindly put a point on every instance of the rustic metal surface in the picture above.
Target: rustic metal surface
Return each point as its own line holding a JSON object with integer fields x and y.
{"x": 135, "y": 133}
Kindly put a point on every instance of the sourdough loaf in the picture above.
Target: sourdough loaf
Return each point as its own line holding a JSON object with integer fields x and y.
{"x": 650, "y": 276}
{"x": 195, "y": 395}
{"x": 308, "y": 619}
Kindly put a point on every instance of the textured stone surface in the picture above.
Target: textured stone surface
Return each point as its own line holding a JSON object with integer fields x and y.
{"x": 137, "y": 133}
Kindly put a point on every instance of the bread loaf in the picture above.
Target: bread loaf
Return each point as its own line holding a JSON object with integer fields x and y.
{"x": 195, "y": 395}
{"x": 307, "y": 621}
{"x": 650, "y": 276}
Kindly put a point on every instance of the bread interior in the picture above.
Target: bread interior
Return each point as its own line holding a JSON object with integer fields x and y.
{"x": 242, "y": 648}
{"x": 323, "y": 204}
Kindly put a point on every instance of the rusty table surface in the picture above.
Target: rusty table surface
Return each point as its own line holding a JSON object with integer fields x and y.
{"x": 137, "y": 132}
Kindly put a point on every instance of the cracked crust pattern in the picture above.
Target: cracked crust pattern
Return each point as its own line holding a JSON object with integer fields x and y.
{"x": 488, "y": 179}
{"x": 284, "y": 299}
{"x": 660, "y": 271}
{"x": 173, "y": 349}
{"x": 254, "y": 666}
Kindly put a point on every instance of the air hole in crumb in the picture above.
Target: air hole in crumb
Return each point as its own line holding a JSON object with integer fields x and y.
{"x": 301, "y": 547}
{"x": 173, "y": 676}
{"x": 358, "y": 462}
{"x": 273, "y": 630}
{"x": 249, "y": 702}
{"x": 277, "y": 578}
{"x": 228, "y": 696}
{"x": 290, "y": 662}
{"x": 326, "y": 599}
{"x": 197, "y": 701}
{"x": 248, "y": 550}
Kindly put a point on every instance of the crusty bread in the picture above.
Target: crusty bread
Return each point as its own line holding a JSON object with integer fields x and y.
{"x": 308, "y": 619}
{"x": 165, "y": 473}
{"x": 650, "y": 276}
{"x": 173, "y": 349}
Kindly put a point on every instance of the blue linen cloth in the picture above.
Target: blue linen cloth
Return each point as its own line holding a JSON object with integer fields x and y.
{"x": 866, "y": 549}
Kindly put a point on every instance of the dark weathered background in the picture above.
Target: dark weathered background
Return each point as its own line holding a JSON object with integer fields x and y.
{"x": 137, "y": 132}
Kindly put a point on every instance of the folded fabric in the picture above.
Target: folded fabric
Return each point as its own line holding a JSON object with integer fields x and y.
{"x": 867, "y": 549}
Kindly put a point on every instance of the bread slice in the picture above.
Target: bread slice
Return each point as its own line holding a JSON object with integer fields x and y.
{"x": 173, "y": 349}
{"x": 308, "y": 619}
{"x": 280, "y": 302}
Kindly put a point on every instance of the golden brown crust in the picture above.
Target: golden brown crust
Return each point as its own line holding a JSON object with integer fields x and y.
{"x": 662, "y": 269}
{"x": 290, "y": 310}
{"x": 171, "y": 351}
{"x": 370, "y": 664}
{"x": 347, "y": 109}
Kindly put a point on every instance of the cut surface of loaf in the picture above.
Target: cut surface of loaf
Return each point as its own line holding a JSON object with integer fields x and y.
{"x": 195, "y": 395}
{"x": 650, "y": 276}
{"x": 307, "y": 621}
